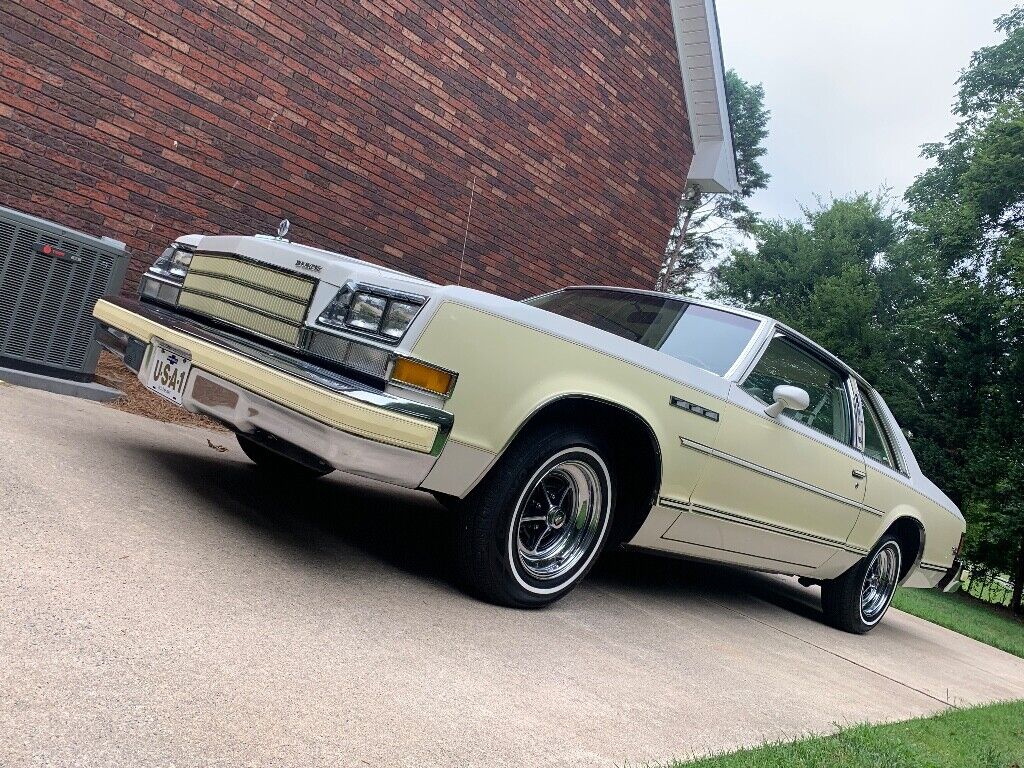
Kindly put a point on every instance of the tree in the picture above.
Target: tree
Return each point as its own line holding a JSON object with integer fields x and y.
{"x": 968, "y": 208}
{"x": 704, "y": 221}
{"x": 842, "y": 276}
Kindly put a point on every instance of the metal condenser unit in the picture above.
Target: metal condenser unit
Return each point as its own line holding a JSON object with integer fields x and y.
{"x": 50, "y": 278}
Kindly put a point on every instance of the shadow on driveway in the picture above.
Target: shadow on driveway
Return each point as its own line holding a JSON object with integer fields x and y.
{"x": 413, "y": 533}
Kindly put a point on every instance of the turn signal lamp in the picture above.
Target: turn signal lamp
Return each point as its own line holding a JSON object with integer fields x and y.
{"x": 413, "y": 373}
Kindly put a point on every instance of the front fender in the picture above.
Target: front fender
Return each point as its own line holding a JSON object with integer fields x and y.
{"x": 511, "y": 366}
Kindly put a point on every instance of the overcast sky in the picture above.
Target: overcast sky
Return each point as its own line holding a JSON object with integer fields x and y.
{"x": 854, "y": 87}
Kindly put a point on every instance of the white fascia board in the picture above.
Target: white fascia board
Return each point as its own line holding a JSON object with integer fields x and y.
{"x": 713, "y": 168}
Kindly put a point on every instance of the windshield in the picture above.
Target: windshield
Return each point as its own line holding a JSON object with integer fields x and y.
{"x": 709, "y": 338}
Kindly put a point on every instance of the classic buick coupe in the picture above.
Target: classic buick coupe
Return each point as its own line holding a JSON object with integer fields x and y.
{"x": 557, "y": 426}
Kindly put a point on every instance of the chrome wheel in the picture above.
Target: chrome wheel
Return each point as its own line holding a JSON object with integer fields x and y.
{"x": 880, "y": 581}
{"x": 560, "y": 518}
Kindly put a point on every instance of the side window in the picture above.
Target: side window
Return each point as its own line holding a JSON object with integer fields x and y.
{"x": 876, "y": 444}
{"x": 785, "y": 363}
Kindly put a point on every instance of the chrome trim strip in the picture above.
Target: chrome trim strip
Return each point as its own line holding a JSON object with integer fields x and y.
{"x": 296, "y": 367}
{"x": 933, "y": 567}
{"x": 158, "y": 277}
{"x": 708, "y": 450}
{"x": 857, "y": 406}
{"x": 761, "y": 525}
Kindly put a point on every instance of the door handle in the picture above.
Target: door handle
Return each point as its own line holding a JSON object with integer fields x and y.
{"x": 860, "y": 474}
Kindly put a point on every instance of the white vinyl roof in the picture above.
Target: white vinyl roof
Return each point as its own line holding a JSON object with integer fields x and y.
{"x": 700, "y": 56}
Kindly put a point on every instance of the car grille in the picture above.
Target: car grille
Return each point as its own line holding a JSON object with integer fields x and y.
{"x": 352, "y": 354}
{"x": 263, "y": 300}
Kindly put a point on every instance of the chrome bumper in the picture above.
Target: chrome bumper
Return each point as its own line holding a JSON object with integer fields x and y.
{"x": 128, "y": 326}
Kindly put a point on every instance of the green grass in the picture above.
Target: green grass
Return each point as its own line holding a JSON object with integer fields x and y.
{"x": 990, "y": 624}
{"x": 985, "y": 737}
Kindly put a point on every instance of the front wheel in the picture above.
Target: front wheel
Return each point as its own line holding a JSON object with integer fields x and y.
{"x": 537, "y": 522}
{"x": 857, "y": 600}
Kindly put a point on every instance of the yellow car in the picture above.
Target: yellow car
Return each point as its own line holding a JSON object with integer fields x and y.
{"x": 557, "y": 426}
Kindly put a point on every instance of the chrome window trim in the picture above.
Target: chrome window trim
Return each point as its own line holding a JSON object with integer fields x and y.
{"x": 894, "y": 447}
{"x": 753, "y": 353}
{"x": 853, "y": 393}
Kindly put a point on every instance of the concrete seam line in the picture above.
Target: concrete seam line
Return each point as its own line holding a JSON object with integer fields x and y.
{"x": 837, "y": 655}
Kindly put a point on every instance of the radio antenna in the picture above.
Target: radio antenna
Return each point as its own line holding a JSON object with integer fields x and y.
{"x": 465, "y": 236}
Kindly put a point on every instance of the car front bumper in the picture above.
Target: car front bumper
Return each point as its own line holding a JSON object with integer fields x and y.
{"x": 255, "y": 389}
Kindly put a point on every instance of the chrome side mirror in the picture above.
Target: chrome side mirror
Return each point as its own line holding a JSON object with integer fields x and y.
{"x": 787, "y": 398}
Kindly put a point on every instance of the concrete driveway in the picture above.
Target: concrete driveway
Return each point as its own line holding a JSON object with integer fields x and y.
{"x": 161, "y": 603}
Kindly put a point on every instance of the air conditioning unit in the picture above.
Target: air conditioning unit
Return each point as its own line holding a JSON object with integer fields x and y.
{"x": 50, "y": 278}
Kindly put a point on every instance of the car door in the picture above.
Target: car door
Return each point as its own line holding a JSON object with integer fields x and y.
{"x": 784, "y": 490}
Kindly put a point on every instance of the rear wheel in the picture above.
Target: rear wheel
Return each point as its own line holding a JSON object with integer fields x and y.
{"x": 277, "y": 463}
{"x": 857, "y": 600}
{"x": 535, "y": 525}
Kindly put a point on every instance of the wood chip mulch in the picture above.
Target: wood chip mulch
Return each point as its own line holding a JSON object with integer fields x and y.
{"x": 140, "y": 401}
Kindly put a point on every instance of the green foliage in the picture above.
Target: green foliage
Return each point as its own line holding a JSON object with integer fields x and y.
{"x": 984, "y": 737}
{"x": 842, "y": 276}
{"x": 928, "y": 304}
{"x": 703, "y": 223}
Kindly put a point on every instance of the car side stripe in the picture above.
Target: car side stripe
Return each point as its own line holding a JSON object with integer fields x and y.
{"x": 722, "y": 455}
{"x": 732, "y": 517}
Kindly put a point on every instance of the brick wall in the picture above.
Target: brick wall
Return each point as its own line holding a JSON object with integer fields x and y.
{"x": 365, "y": 122}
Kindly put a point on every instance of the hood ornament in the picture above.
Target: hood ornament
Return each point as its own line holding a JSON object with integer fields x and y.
{"x": 282, "y": 229}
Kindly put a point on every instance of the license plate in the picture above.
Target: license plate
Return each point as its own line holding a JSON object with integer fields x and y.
{"x": 168, "y": 372}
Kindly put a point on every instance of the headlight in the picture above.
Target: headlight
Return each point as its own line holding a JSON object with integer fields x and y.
{"x": 398, "y": 319}
{"x": 163, "y": 280}
{"x": 370, "y": 310}
{"x": 366, "y": 312}
{"x": 174, "y": 261}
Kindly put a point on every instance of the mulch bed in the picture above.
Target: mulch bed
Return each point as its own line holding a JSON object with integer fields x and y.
{"x": 140, "y": 401}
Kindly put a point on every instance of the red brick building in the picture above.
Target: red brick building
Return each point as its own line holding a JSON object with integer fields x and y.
{"x": 374, "y": 125}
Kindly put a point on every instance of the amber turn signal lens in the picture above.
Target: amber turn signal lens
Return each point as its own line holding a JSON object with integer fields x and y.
{"x": 417, "y": 374}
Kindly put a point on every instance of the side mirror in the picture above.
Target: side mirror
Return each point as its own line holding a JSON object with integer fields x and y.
{"x": 787, "y": 397}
